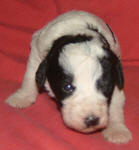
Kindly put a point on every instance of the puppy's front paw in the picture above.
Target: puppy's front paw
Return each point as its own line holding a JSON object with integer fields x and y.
{"x": 20, "y": 99}
{"x": 117, "y": 134}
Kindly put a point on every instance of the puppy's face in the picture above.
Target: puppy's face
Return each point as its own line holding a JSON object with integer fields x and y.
{"x": 80, "y": 72}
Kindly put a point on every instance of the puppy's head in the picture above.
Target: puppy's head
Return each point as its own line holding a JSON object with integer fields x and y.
{"x": 81, "y": 72}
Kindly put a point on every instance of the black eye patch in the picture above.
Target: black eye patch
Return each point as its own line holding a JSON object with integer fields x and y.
{"x": 112, "y": 75}
{"x": 106, "y": 82}
{"x": 60, "y": 82}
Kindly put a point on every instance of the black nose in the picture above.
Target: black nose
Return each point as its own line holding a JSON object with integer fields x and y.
{"x": 91, "y": 121}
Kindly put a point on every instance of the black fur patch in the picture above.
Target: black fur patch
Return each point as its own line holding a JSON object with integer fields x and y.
{"x": 51, "y": 69}
{"x": 41, "y": 75}
{"x": 111, "y": 75}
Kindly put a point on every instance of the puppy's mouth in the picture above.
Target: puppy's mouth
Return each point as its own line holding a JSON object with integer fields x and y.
{"x": 84, "y": 128}
{"x": 93, "y": 128}
{"x": 87, "y": 130}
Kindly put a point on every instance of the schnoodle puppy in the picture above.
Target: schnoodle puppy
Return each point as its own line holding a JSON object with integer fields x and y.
{"x": 76, "y": 58}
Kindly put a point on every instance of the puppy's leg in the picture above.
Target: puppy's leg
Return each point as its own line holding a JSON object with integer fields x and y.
{"x": 27, "y": 93}
{"x": 117, "y": 132}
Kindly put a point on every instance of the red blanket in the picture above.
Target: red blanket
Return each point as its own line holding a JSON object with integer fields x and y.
{"x": 40, "y": 127}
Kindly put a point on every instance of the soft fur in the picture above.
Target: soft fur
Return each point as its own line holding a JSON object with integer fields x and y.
{"x": 76, "y": 58}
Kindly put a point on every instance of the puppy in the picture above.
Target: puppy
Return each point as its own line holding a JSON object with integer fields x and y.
{"x": 76, "y": 58}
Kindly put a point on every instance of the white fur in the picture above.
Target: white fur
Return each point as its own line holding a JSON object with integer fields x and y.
{"x": 80, "y": 104}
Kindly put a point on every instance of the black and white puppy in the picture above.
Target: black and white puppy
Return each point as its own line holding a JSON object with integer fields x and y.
{"x": 76, "y": 58}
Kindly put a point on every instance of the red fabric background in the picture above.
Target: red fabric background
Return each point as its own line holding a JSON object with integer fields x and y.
{"x": 40, "y": 126}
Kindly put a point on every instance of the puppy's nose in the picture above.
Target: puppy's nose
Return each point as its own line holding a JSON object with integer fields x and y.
{"x": 91, "y": 121}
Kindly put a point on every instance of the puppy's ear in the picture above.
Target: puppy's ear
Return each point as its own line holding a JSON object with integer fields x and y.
{"x": 41, "y": 74}
{"x": 118, "y": 73}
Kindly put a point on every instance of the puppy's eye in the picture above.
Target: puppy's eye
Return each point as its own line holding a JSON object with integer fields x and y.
{"x": 69, "y": 88}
